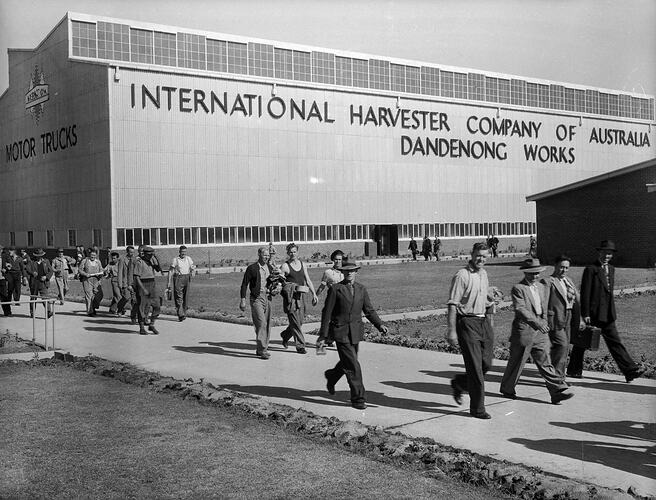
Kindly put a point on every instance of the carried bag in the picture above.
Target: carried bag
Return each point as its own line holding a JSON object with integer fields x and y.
{"x": 588, "y": 338}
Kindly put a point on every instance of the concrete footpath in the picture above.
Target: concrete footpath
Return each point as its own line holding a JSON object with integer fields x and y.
{"x": 605, "y": 435}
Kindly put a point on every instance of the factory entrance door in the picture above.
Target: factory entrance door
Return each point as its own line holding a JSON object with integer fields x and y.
{"x": 387, "y": 239}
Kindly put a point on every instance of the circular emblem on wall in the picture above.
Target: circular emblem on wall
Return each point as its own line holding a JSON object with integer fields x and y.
{"x": 37, "y": 94}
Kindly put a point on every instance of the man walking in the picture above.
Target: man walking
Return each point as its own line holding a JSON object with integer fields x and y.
{"x": 126, "y": 283}
{"x": 14, "y": 270}
{"x": 38, "y": 273}
{"x": 61, "y": 266}
{"x": 426, "y": 248}
{"x": 437, "y": 246}
{"x": 530, "y": 335}
{"x": 469, "y": 327}
{"x": 255, "y": 281}
{"x": 111, "y": 273}
{"x": 341, "y": 321}
{"x": 332, "y": 275}
{"x": 564, "y": 300}
{"x": 150, "y": 298}
{"x": 4, "y": 289}
{"x": 413, "y": 248}
{"x": 91, "y": 272}
{"x": 598, "y": 309}
{"x": 180, "y": 273}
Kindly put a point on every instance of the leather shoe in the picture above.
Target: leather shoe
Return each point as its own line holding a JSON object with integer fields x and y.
{"x": 634, "y": 374}
{"x": 301, "y": 350}
{"x": 509, "y": 395}
{"x": 561, "y": 396}
{"x": 330, "y": 386}
{"x": 153, "y": 330}
{"x": 359, "y": 406}
{"x": 483, "y": 416}
{"x": 285, "y": 341}
{"x": 264, "y": 355}
{"x": 457, "y": 392}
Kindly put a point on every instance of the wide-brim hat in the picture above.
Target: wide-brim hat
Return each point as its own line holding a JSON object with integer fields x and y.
{"x": 39, "y": 252}
{"x": 532, "y": 266}
{"x": 349, "y": 267}
{"x": 607, "y": 245}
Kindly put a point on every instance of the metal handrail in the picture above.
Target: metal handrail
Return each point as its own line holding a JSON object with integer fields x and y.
{"x": 50, "y": 304}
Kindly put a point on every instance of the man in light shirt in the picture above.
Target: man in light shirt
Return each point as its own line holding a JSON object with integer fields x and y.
{"x": 469, "y": 327}
{"x": 180, "y": 273}
{"x": 530, "y": 335}
{"x": 61, "y": 265}
{"x": 332, "y": 275}
{"x": 149, "y": 295}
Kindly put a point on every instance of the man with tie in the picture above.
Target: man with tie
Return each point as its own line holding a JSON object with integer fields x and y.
{"x": 341, "y": 321}
{"x": 529, "y": 334}
{"x": 598, "y": 309}
{"x": 563, "y": 311}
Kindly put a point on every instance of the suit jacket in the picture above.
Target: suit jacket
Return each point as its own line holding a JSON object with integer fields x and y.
{"x": 13, "y": 264}
{"x": 597, "y": 299}
{"x": 526, "y": 319}
{"x": 557, "y": 305}
{"x": 341, "y": 318}
{"x": 35, "y": 282}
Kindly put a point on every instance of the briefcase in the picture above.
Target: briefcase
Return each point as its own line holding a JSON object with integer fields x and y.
{"x": 588, "y": 338}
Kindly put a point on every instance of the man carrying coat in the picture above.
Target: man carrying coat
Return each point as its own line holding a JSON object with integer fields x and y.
{"x": 598, "y": 309}
{"x": 341, "y": 321}
{"x": 529, "y": 334}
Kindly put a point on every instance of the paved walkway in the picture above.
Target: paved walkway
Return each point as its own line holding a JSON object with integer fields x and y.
{"x": 605, "y": 435}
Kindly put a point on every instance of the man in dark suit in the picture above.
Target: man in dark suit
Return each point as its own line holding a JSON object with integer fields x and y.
{"x": 38, "y": 273}
{"x": 341, "y": 321}
{"x": 563, "y": 312}
{"x": 14, "y": 270}
{"x": 598, "y": 309}
{"x": 529, "y": 334}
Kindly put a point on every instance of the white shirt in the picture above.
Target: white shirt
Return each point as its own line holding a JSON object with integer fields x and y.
{"x": 536, "y": 299}
{"x": 182, "y": 265}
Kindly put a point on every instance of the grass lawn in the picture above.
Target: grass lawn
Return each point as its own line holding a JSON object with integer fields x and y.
{"x": 395, "y": 287}
{"x": 70, "y": 434}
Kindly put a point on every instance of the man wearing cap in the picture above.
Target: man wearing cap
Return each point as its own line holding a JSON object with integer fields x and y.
{"x": 38, "y": 273}
{"x": 91, "y": 272}
{"x": 61, "y": 265}
{"x": 598, "y": 309}
{"x": 180, "y": 273}
{"x": 13, "y": 267}
{"x": 529, "y": 334}
{"x": 341, "y": 321}
{"x": 149, "y": 295}
{"x": 255, "y": 281}
{"x": 471, "y": 329}
{"x": 563, "y": 312}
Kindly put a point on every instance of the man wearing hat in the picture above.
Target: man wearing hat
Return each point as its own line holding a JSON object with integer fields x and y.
{"x": 13, "y": 267}
{"x": 598, "y": 309}
{"x": 529, "y": 334}
{"x": 341, "y": 321}
{"x": 150, "y": 298}
{"x": 61, "y": 265}
{"x": 38, "y": 273}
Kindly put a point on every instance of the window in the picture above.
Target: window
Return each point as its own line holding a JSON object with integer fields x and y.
{"x": 491, "y": 89}
{"x": 194, "y": 235}
{"x": 113, "y": 41}
{"x": 397, "y": 77}
{"x": 145, "y": 236}
{"x": 226, "y": 235}
{"x": 203, "y": 236}
{"x": 186, "y": 236}
{"x": 446, "y": 83}
{"x": 260, "y": 59}
{"x": 267, "y": 234}
{"x": 84, "y": 39}
{"x": 283, "y": 64}
{"x": 210, "y": 235}
{"x": 476, "y": 86}
{"x": 248, "y": 234}
{"x": 603, "y": 103}
{"x": 256, "y": 234}
{"x": 360, "y": 73}
{"x": 237, "y": 58}
{"x": 323, "y": 67}
{"x": 50, "y": 238}
{"x": 217, "y": 55}
{"x": 518, "y": 92}
{"x": 276, "y": 233}
{"x": 72, "y": 238}
{"x": 532, "y": 94}
{"x": 592, "y": 101}
{"x": 97, "y": 237}
{"x": 163, "y": 236}
{"x": 179, "y": 236}
{"x": 412, "y": 79}
{"x": 343, "y": 71}
{"x": 120, "y": 237}
{"x": 556, "y": 96}
{"x": 625, "y": 105}
{"x": 141, "y": 46}
{"x": 430, "y": 81}
{"x": 504, "y": 91}
{"x": 569, "y": 99}
{"x": 543, "y": 96}
{"x": 164, "y": 49}
{"x": 302, "y": 66}
{"x": 191, "y": 51}
{"x": 613, "y": 105}
{"x": 379, "y": 74}
{"x": 171, "y": 235}
{"x": 129, "y": 237}
{"x": 580, "y": 100}
{"x": 30, "y": 238}
{"x": 460, "y": 85}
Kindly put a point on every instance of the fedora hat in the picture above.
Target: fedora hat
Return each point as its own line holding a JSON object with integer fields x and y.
{"x": 607, "y": 245}
{"x": 532, "y": 266}
{"x": 147, "y": 249}
{"x": 349, "y": 267}
{"x": 38, "y": 253}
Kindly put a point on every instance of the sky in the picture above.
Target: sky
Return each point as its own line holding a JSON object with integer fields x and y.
{"x": 601, "y": 43}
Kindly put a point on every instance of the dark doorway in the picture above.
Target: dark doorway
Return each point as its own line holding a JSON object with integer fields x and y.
{"x": 387, "y": 239}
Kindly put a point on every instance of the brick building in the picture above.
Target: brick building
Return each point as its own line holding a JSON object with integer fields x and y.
{"x": 619, "y": 205}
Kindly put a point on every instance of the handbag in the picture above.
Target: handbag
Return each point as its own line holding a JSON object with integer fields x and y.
{"x": 588, "y": 338}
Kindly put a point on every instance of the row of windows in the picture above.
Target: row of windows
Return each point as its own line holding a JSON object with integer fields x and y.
{"x": 335, "y": 232}
{"x": 123, "y": 43}
{"x": 72, "y": 241}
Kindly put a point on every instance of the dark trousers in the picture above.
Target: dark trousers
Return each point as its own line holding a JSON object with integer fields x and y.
{"x": 180, "y": 289}
{"x": 13, "y": 285}
{"x": 476, "y": 340}
{"x": 149, "y": 305}
{"x": 295, "y": 317}
{"x": 608, "y": 330}
{"x": 4, "y": 297}
{"x": 560, "y": 345}
{"x": 350, "y": 366}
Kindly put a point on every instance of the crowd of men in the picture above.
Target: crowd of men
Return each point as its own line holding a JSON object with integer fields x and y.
{"x": 547, "y": 310}
{"x": 429, "y": 248}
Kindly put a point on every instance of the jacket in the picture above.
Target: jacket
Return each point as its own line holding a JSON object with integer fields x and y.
{"x": 527, "y": 321}
{"x": 33, "y": 274}
{"x": 597, "y": 301}
{"x": 557, "y": 304}
{"x": 341, "y": 318}
{"x": 252, "y": 280}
